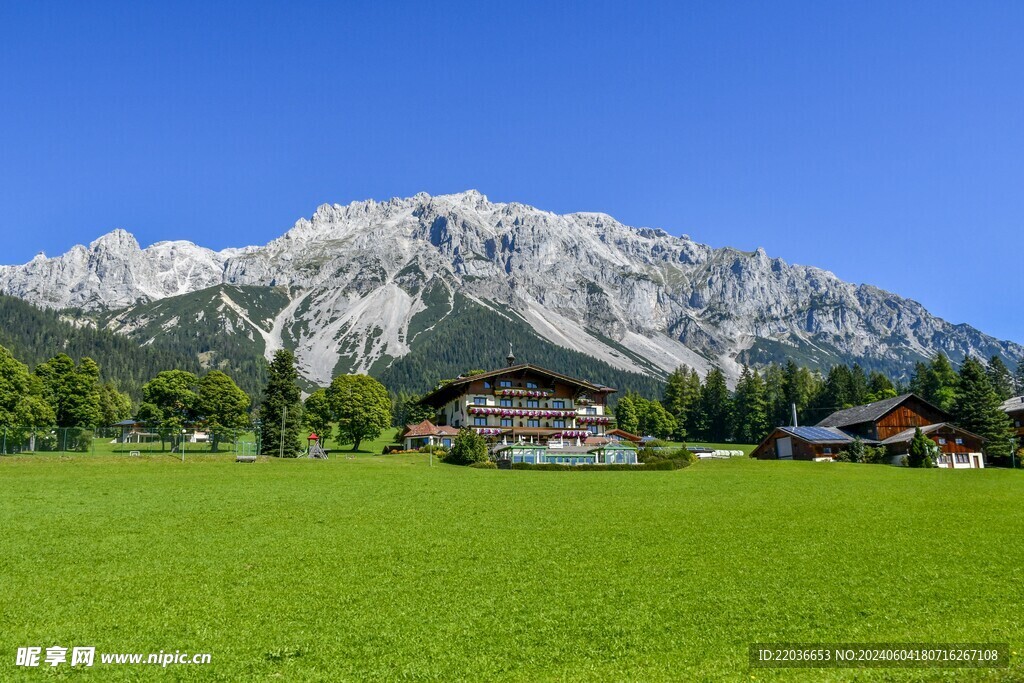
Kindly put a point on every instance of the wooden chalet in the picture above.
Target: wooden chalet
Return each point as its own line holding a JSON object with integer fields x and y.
{"x": 1015, "y": 409}
{"x": 882, "y": 419}
{"x": 958, "y": 448}
{"x": 889, "y": 423}
{"x": 525, "y": 403}
{"x": 802, "y": 443}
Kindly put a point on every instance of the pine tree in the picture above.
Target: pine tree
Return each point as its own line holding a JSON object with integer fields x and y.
{"x": 858, "y": 385}
{"x": 775, "y": 395}
{"x": 281, "y": 410}
{"x": 1019, "y": 377}
{"x": 681, "y": 394}
{"x": 977, "y": 409}
{"x": 750, "y": 410}
{"x": 880, "y": 387}
{"x": 922, "y": 450}
{"x": 1000, "y": 377}
{"x": 716, "y": 408}
{"x": 943, "y": 382}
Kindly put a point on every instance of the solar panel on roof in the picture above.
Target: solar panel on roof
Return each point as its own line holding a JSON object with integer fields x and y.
{"x": 817, "y": 434}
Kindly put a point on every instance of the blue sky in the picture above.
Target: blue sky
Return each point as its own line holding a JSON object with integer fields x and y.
{"x": 883, "y": 141}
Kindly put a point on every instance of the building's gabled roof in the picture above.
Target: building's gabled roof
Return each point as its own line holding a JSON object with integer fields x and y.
{"x": 908, "y": 434}
{"x": 623, "y": 434}
{"x": 425, "y": 428}
{"x": 1013, "y": 405}
{"x": 428, "y": 428}
{"x": 446, "y": 391}
{"x": 818, "y": 434}
{"x": 872, "y": 411}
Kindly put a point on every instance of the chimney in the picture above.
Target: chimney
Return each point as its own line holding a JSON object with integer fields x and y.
{"x": 793, "y": 406}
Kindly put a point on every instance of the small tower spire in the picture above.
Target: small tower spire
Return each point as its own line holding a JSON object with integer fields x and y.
{"x": 511, "y": 356}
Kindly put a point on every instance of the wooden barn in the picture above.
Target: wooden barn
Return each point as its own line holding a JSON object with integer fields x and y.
{"x": 802, "y": 443}
{"x": 881, "y": 420}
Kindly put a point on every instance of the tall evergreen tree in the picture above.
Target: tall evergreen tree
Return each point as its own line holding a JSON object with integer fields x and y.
{"x": 977, "y": 409}
{"x": 775, "y": 395}
{"x": 858, "y": 385}
{"x": 1019, "y": 377}
{"x": 680, "y": 398}
{"x": 750, "y": 408}
{"x": 281, "y": 409}
{"x": 880, "y": 387}
{"x": 922, "y": 450}
{"x": 715, "y": 408}
{"x": 1000, "y": 377}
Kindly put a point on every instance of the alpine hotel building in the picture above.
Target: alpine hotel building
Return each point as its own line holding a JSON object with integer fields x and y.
{"x": 523, "y": 403}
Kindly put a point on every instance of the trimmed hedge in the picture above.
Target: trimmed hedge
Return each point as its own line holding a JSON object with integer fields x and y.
{"x": 553, "y": 467}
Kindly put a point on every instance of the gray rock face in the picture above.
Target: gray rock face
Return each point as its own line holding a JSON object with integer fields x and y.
{"x": 637, "y": 298}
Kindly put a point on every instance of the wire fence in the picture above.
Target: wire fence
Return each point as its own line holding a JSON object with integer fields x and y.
{"x": 136, "y": 439}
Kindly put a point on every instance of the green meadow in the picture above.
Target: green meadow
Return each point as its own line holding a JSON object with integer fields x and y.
{"x": 369, "y": 567}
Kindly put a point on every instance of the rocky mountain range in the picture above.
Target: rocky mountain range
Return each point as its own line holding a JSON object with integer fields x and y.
{"x": 361, "y": 287}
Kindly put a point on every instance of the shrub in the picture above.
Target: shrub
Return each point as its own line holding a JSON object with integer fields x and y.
{"x": 843, "y": 456}
{"x": 485, "y": 465}
{"x": 436, "y": 450}
{"x": 875, "y": 456}
{"x": 467, "y": 448}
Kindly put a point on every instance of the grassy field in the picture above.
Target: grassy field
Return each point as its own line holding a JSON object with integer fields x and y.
{"x": 383, "y": 568}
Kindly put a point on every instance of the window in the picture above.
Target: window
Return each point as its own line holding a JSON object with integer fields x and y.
{"x": 480, "y": 421}
{"x": 533, "y": 423}
{"x": 592, "y": 429}
{"x": 487, "y": 385}
{"x": 505, "y": 403}
{"x": 479, "y": 401}
{"x": 558, "y": 404}
{"x": 962, "y": 458}
{"x": 506, "y": 422}
{"x": 828, "y": 450}
{"x": 446, "y": 442}
{"x": 959, "y": 442}
{"x": 558, "y": 424}
{"x": 505, "y": 383}
{"x": 531, "y": 385}
{"x": 591, "y": 411}
{"x": 533, "y": 403}
{"x": 942, "y": 441}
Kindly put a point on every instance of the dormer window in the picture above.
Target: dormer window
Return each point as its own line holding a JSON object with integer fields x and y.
{"x": 505, "y": 384}
{"x": 531, "y": 385}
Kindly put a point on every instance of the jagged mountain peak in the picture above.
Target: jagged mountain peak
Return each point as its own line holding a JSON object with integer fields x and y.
{"x": 366, "y": 279}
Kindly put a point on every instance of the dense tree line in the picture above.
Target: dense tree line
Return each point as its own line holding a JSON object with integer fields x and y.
{"x": 484, "y": 335}
{"x": 704, "y": 409}
{"x": 34, "y": 335}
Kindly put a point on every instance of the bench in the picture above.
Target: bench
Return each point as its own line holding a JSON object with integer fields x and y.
{"x": 245, "y": 458}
